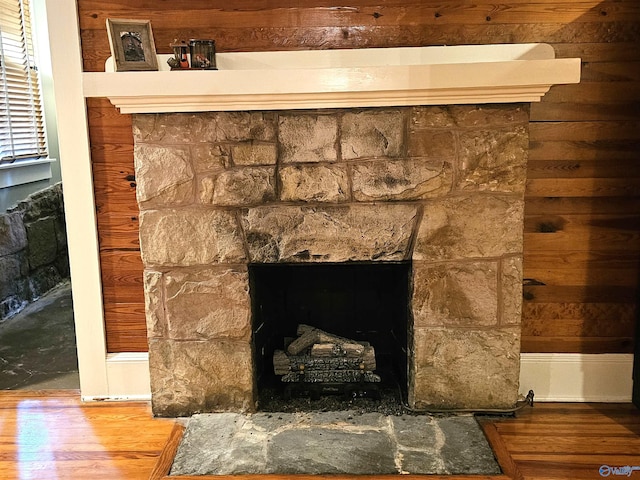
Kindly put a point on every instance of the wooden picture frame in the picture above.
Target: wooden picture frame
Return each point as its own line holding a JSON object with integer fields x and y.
{"x": 132, "y": 44}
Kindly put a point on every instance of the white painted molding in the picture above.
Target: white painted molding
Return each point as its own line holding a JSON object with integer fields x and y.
{"x": 554, "y": 377}
{"x": 469, "y": 74}
{"x": 75, "y": 165}
{"x": 25, "y": 171}
{"x": 572, "y": 377}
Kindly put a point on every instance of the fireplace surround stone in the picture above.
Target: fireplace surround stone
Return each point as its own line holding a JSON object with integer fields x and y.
{"x": 441, "y": 187}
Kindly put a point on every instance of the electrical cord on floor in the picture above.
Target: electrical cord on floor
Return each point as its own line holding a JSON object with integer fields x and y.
{"x": 520, "y": 404}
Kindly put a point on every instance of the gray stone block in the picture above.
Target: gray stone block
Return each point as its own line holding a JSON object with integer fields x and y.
{"x": 43, "y": 244}
{"x": 308, "y": 138}
{"x": 11, "y": 267}
{"x": 164, "y": 175}
{"x": 190, "y": 377}
{"x": 455, "y": 294}
{"x": 251, "y": 153}
{"x": 241, "y": 187}
{"x": 401, "y": 179}
{"x": 189, "y": 236}
{"x": 494, "y": 160}
{"x": 473, "y": 226}
{"x": 44, "y": 203}
{"x": 330, "y": 451}
{"x": 13, "y": 235}
{"x": 372, "y": 133}
{"x": 461, "y": 368}
{"x": 208, "y": 304}
{"x": 188, "y": 128}
{"x": 465, "y": 449}
{"x": 314, "y": 183}
{"x": 329, "y": 234}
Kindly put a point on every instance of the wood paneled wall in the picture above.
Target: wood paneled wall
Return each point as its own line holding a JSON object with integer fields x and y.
{"x": 582, "y": 233}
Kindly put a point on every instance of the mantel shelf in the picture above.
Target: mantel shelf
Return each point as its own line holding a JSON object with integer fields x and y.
{"x": 341, "y": 78}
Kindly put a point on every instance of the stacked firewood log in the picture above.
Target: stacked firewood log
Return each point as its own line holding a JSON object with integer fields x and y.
{"x": 316, "y": 356}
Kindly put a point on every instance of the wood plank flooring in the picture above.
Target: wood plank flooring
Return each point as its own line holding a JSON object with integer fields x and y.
{"x": 52, "y": 435}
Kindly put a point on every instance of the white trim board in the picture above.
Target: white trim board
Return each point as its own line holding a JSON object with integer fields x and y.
{"x": 576, "y": 377}
{"x": 554, "y": 377}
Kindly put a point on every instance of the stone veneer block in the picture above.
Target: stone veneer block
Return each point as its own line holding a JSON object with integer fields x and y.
{"x": 314, "y": 183}
{"x": 245, "y": 186}
{"x": 13, "y": 235}
{"x": 473, "y": 226}
{"x": 209, "y": 158}
{"x": 154, "y": 304}
{"x": 208, "y": 304}
{"x": 250, "y": 153}
{"x": 307, "y": 138}
{"x": 189, "y": 128}
{"x": 190, "y": 377}
{"x": 494, "y": 160}
{"x": 329, "y": 234}
{"x": 372, "y": 133}
{"x": 401, "y": 179}
{"x": 471, "y": 116}
{"x": 41, "y": 249}
{"x": 459, "y": 368}
{"x": 164, "y": 175}
{"x": 189, "y": 236}
{"x": 455, "y": 294}
{"x": 511, "y": 280}
{"x": 432, "y": 144}
{"x": 12, "y": 267}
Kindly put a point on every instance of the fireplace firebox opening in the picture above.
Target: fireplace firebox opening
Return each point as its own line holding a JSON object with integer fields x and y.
{"x": 360, "y": 301}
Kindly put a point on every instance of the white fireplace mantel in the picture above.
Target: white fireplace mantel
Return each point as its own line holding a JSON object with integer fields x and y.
{"x": 370, "y": 77}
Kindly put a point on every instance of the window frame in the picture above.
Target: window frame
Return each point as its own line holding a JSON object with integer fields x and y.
{"x": 36, "y": 165}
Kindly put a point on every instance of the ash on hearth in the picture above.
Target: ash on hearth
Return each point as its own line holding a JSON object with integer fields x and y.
{"x": 316, "y": 356}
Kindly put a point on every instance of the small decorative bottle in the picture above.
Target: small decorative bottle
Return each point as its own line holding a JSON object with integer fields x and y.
{"x": 203, "y": 54}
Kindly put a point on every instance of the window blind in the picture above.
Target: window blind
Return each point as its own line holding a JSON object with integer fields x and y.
{"x": 22, "y": 133}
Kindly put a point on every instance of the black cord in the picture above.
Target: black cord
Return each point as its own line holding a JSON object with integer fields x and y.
{"x": 527, "y": 401}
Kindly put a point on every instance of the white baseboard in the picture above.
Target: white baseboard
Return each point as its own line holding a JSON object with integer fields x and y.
{"x": 127, "y": 378}
{"x": 554, "y": 377}
{"x": 576, "y": 377}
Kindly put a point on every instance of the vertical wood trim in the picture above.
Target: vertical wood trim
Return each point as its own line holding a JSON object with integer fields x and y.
{"x": 508, "y": 466}
{"x": 165, "y": 460}
{"x": 82, "y": 236}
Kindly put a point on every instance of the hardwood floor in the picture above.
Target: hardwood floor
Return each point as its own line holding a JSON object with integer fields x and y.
{"x": 52, "y": 435}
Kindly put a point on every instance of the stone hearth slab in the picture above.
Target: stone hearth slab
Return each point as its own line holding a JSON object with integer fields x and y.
{"x": 332, "y": 443}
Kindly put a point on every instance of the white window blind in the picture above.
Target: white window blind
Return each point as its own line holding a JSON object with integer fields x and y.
{"x": 22, "y": 134}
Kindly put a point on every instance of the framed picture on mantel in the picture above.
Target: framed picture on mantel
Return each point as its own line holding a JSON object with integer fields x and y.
{"x": 132, "y": 45}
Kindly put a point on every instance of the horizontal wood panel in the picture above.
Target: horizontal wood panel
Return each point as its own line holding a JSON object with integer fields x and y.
{"x": 368, "y": 15}
{"x": 571, "y": 112}
{"x": 615, "y": 168}
{"x": 125, "y": 327}
{"x": 581, "y": 275}
{"x": 621, "y": 52}
{"x": 583, "y": 187}
{"x": 122, "y": 276}
{"x": 559, "y": 294}
{"x": 577, "y": 149}
{"x": 96, "y": 47}
{"x": 536, "y": 206}
{"x": 118, "y": 233}
{"x": 573, "y": 327}
{"x": 559, "y": 344}
{"x": 581, "y": 131}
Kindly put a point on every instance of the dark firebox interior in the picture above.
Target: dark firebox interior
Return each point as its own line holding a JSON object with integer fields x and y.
{"x": 360, "y": 301}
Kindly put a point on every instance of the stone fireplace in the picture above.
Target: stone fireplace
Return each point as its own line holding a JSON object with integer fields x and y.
{"x": 440, "y": 188}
